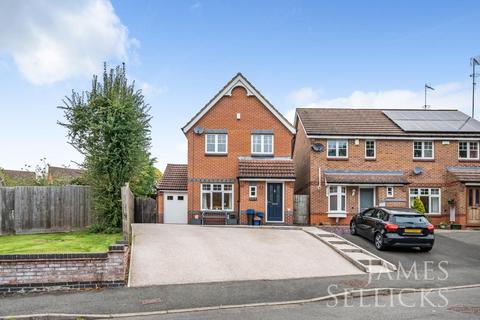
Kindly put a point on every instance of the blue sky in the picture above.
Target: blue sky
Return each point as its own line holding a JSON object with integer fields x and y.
{"x": 297, "y": 53}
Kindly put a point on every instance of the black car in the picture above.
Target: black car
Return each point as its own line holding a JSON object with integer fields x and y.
{"x": 394, "y": 227}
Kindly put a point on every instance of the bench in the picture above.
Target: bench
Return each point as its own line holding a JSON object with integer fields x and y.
{"x": 214, "y": 216}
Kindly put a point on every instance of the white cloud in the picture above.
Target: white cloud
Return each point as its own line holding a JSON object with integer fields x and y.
{"x": 151, "y": 90}
{"x": 53, "y": 40}
{"x": 303, "y": 96}
{"x": 455, "y": 95}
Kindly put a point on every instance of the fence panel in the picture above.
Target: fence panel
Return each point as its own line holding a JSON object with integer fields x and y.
{"x": 32, "y": 209}
{"x": 301, "y": 209}
{"x": 145, "y": 210}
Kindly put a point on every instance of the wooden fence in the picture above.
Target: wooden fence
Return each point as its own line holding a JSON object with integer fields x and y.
{"x": 145, "y": 210}
{"x": 301, "y": 209}
{"x": 44, "y": 209}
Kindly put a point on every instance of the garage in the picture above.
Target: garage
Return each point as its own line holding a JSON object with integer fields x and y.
{"x": 175, "y": 204}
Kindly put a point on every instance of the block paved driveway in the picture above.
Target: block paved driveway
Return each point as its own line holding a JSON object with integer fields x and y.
{"x": 177, "y": 254}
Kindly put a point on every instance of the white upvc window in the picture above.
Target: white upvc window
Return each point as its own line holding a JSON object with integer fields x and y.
{"x": 430, "y": 198}
{"x": 337, "y": 148}
{"x": 217, "y": 197}
{"x": 252, "y": 192}
{"x": 262, "y": 144}
{"x": 216, "y": 143}
{"x": 337, "y": 196}
{"x": 423, "y": 149}
{"x": 390, "y": 192}
{"x": 468, "y": 150}
{"x": 370, "y": 149}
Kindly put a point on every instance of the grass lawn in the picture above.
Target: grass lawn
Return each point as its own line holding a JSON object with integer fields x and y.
{"x": 67, "y": 242}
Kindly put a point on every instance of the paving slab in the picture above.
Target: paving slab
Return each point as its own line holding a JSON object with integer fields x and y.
{"x": 180, "y": 254}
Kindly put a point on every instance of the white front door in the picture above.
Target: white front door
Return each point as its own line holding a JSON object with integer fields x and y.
{"x": 175, "y": 208}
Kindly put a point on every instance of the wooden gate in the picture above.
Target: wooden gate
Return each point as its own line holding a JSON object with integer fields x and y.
{"x": 301, "y": 209}
{"x": 145, "y": 210}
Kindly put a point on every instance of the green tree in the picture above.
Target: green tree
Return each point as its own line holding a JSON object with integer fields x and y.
{"x": 110, "y": 126}
{"x": 418, "y": 205}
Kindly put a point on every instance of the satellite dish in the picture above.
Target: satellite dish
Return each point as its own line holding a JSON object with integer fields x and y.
{"x": 417, "y": 170}
{"x": 317, "y": 147}
{"x": 198, "y": 130}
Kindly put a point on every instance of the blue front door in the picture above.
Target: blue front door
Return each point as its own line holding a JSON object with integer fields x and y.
{"x": 274, "y": 202}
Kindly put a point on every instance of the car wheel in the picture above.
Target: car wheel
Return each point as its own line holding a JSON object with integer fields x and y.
{"x": 353, "y": 228}
{"x": 378, "y": 241}
{"x": 426, "y": 249}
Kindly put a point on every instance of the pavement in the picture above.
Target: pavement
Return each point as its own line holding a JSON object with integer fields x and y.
{"x": 462, "y": 260}
{"x": 179, "y": 254}
{"x": 458, "y": 304}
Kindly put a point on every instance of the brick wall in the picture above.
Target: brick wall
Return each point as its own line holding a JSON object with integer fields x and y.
{"x": 390, "y": 155}
{"x": 160, "y": 208}
{"x": 253, "y": 115}
{"x": 40, "y": 272}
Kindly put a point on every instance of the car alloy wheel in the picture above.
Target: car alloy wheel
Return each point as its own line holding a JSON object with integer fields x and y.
{"x": 379, "y": 241}
{"x": 353, "y": 228}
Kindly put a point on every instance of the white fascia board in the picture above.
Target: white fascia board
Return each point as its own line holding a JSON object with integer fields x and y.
{"x": 239, "y": 80}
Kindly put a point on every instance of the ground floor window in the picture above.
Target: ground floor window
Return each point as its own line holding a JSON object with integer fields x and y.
{"x": 336, "y": 199}
{"x": 430, "y": 198}
{"x": 217, "y": 197}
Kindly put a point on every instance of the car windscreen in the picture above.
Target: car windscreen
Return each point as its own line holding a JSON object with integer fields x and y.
{"x": 400, "y": 219}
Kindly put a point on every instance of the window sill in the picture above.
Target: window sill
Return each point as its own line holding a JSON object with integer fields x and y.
{"x": 469, "y": 160}
{"x": 370, "y": 159}
{"x": 252, "y": 199}
{"x": 209, "y": 154}
{"x": 337, "y": 214}
{"x": 270, "y": 155}
{"x": 423, "y": 160}
{"x": 337, "y": 158}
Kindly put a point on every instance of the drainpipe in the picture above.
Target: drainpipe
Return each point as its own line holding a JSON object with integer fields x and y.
{"x": 238, "y": 201}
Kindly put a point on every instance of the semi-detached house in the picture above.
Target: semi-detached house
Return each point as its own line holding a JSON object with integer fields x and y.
{"x": 239, "y": 159}
{"x": 350, "y": 159}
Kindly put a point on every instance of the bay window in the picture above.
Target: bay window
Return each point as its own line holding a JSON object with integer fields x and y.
{"x": 430, "y": 198}
{"x": 337, "y": 199}
{"x": 217, "y": 197}
{"x": 468, "y": 150}
{"x": 337, "y": 148}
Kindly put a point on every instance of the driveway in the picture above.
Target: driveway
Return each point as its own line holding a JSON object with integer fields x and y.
{"x": 179, "y": 254}
{"x": 457, "y": 251}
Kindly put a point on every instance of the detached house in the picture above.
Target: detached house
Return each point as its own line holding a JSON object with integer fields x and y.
{"x": 351, "y": 159}
{"x": 239, "y": 158}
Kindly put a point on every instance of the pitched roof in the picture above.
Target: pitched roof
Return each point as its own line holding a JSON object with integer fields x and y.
{"x": 20, "y": 174}
{"x": 375, "y": 122}
{"x": 266, "y": 168}
{"x": 365, "y": 177}
{"x": 64, "y": 173}
{"x": 175, "y": 178}
{"x": 465, "y": 174}
{"x": 236, "y": 81}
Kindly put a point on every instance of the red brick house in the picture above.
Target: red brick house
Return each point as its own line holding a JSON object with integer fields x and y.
{"x": 239, "y": 158}
{"x": 350, "y": 159}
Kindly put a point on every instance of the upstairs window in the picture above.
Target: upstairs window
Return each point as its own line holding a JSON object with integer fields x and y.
{"x": 337, "y": 148}
{"x": 216, "y": 143}
{"x": 370, "y": 152}
{"x": 423, "y": 150}
{"x": 262, "y": 144}
{"x": 468, "y": 150}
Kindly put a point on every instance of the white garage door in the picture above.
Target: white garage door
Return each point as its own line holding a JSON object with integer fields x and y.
{"x": 175, "y": 205}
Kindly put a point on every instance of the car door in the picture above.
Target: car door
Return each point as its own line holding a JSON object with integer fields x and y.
{"x": 371, "y": 223}
{"x": 362, "y": 222}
